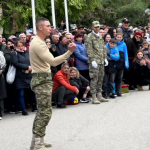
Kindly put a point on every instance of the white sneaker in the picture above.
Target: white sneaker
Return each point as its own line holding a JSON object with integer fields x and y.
{"x": 0, "y": 118}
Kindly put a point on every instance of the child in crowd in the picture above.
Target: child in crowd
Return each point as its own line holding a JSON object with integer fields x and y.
{"x": 110, "y": 70}
{"x": 145, "y": 49}
{"x": 122, "y": 63}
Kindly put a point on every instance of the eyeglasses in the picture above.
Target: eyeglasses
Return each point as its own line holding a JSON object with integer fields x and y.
{"x": 96, "y": 27}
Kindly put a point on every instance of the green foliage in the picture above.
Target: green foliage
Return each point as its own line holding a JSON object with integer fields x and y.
{"x": 76, "y": 9}
{"x": 15, "y": 16}
{"x": 113, "y": 11}
{"x": 18, "y": 13}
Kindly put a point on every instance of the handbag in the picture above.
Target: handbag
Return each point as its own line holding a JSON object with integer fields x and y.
{"x": 10, "y": 77}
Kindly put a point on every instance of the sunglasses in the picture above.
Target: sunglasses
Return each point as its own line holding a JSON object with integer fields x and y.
{"x": 138, "y": 37}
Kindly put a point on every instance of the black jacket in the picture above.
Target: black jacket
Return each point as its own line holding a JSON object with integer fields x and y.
{"x": 141, "y": 71}
{"x": 126, "y": 34}
{"x": 61, "y": 49}
{"x": 141, "y": 74}
{"x": 21, "y": 63}
{"x": 7, "y": 54}
{"x": 132, "y": 46}
{"x": 3, "y": 93}
{"x": 79, "y": 83}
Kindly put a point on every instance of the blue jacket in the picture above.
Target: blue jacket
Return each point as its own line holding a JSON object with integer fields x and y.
{"x": 114, "y": 53}
{"x": 123, "y": 48}
{"x": 81, "y": 58}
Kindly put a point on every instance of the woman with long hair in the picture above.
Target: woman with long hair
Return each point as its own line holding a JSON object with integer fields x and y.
{"x": 80, "y": 82}
{"x": 141, "y": 70}
{"x": 107, "y": 38}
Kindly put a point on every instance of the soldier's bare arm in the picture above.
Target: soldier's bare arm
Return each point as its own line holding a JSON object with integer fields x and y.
{"x": 45, "y": 55}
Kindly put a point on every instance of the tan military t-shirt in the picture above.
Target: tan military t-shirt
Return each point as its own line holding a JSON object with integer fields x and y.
{"x": 40, "y": 57}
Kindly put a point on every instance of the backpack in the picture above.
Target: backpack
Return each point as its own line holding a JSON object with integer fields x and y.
{"x": 2, "y": 60}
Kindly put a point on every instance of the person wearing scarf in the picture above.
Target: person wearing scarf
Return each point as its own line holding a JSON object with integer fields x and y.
{"x": 20, "y": 60}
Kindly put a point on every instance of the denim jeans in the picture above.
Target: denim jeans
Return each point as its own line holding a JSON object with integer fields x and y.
{"x": 108, "y": 81}
{"x": 22, "y": 100}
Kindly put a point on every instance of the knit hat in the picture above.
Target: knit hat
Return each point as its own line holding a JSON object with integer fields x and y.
{"x": 138, "y": 33}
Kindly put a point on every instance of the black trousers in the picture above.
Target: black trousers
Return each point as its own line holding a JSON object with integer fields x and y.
{"x": 1, "y": 107}
{"x": 118, "y": 81}
{"x": 61, "y": 94}
{"x": 81, "y": 92}
{"x": 11, "y": 103}
{"x": 85, "y": 74}
{"x": 128, "y": 75}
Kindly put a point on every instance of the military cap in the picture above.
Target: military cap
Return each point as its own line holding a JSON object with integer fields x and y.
{"x": 96, "y": 24}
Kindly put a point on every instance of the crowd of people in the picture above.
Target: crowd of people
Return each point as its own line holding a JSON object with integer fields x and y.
{"x": 105, "y": 58}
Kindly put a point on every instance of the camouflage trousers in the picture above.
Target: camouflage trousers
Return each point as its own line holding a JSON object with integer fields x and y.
{"x": 42, "y": 86}
{"x": 96, "y": 75}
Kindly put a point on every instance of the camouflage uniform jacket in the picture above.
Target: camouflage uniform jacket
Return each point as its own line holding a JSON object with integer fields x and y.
{"x": 95, "y": 48}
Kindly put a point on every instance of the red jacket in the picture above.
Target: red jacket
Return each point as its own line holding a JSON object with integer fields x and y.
{"x": 60, "y": 79}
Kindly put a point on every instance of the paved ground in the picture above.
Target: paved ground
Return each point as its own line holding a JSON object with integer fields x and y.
{"x": 121, "y": 124}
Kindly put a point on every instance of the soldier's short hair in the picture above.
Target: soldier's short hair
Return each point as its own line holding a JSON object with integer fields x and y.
{"x": 112, "y": 41}
{"x": 64, "y": 64}
{"x": 39, "y": 21}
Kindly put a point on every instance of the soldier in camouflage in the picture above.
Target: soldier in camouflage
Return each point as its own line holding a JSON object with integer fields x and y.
{"x": 41, "y": 61}
{"x": 97, "y": 56}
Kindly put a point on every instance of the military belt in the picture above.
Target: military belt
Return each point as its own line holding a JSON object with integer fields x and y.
{"x": 41, "y": 74}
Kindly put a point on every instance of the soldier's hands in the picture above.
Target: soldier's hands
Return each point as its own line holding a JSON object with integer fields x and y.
{"x": 94, "y": 64}
{"x": 72, "y": 47}
{"x": 106, "y": 62}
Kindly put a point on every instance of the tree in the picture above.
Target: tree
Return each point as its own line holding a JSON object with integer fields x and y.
{"x": 19, "y": 11}
{"x": 15, "y": 15}
{"x": 112, "y": 12}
